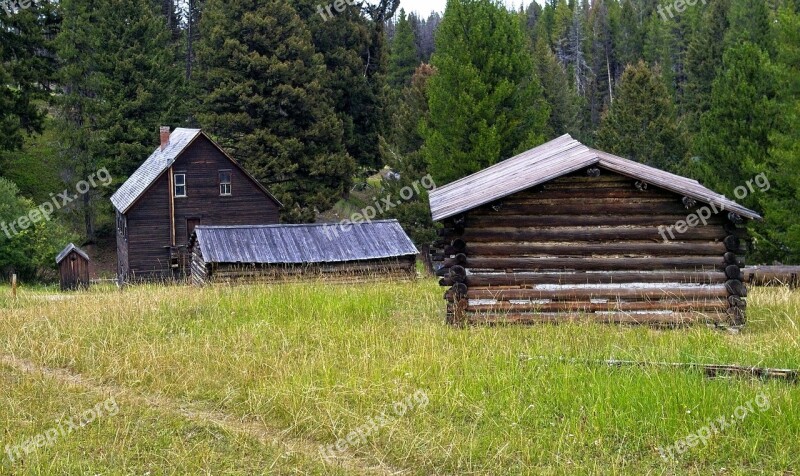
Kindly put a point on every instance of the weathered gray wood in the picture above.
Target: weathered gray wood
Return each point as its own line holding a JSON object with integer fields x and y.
{"x": 687, "y": 263}
{"x": 516, "y": 279}
{"x": 583, "y": 306}
{"x": 733, "y": 272}
{"x": 627, "y": 248}
{"x": 616, "y": 318}
{"x": 736, "y": 288}
{"x": 590, "y": 234}
{"x": 696, "y": 293}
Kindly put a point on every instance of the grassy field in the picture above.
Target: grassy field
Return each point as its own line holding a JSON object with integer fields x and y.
{"x": 255, "y": 379}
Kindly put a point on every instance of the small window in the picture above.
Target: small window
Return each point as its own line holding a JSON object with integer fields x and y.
{"x": 224, "y": 182}
{"x": 180, "y": 185}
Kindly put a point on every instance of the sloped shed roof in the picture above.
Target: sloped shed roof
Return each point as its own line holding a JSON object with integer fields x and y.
{"x": 550, "y": 161}
{"x": 295, "y": 244}
{"x": 158, "y": 163}
{"x": 66, "y": 251}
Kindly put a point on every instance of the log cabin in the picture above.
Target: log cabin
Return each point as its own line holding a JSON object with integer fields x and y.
{"x": 565, "y": 232}
{"x": 364, "y": 251}
{"x": 188, "y": 181}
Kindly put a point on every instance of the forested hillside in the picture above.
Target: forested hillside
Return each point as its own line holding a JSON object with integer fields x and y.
{"x": 313, "y": 100}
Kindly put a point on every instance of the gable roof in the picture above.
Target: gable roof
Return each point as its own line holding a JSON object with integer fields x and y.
{"x": 159, "y": 162}
{"x": 295, "y": 244}
{"x": 550, "y": 161}
{"x": 66, "y": 251}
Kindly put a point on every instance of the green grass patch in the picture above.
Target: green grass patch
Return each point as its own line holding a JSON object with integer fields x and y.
{"x": 319, "y": 360}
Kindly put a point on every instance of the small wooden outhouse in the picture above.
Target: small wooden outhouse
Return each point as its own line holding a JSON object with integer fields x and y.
{"x": 73, "y": 268}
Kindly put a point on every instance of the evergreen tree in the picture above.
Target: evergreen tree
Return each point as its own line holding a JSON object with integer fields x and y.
{"x": 355, "y": 61}
{"x": 564, "y": 103}
{"x": 485, "y": 101}
{"x": 403, "y": 155}
{"x": 703, "y": 62}
{"x": 265, "y": 101}
{"x": 780, "y": 230}
{"x": 749, "y": 22}
{"x": 120, "y": 82}
{"x": 27, "y": 67}
{"x": 603, "y": 65}
{"x": 734, "y": 136}
{"x": 641, "y": 124}
{"x": 631, "y": 34}
{"x": 403, "y": 59}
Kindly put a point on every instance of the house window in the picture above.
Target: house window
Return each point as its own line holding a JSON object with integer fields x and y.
{"x": 180, "y": 185}
{"x": 224, "y": 182}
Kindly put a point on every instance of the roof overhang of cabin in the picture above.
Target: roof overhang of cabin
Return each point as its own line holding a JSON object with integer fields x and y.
{"x": 555, "y": 159}
{"x": 171, "y": 161}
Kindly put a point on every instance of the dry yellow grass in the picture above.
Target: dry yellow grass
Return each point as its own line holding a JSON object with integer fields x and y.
{"x": 311, "y": 363}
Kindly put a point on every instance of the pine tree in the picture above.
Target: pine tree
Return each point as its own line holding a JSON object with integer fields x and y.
{"x": 749, "y": 22}
{"x": 703, "y": 62}
{"x": 354, "y": 56}
{"x": 266, "y": 103}
{"x": 27, "y": 67}
{"x": 120, "y": 82}
{"x": 403, "y": 155}
{"x": 403, "y": 59}
{"x": 641, "y": 124}
{"x": 781, "y": 227}
{"x": 485, "y": 101}
{"x": 734, "y": 136}
{"x": 631, "y": 34}
{"x": 564, "y": 103}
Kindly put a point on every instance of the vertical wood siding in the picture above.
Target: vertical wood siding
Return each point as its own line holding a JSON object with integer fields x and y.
{"x": 149, "y": 240}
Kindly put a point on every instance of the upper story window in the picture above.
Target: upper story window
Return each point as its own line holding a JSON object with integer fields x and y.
{"x": 180, "y": 185}
{"x": 224, "y": 182}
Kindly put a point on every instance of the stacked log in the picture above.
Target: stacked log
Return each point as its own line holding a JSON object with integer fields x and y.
{"x": 737, "y": 292}
{"x": 772, "y": 275}
{"x": 589, "y": 245}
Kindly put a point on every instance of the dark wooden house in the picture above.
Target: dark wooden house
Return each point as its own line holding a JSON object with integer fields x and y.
{"x": 73, "y": 268}
{"x": 564, "y": 231}
{"x": 187, "y": 181}
{"x": 356, "y": 252}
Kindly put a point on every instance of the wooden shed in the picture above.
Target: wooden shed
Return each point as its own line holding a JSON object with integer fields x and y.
{"x": 73, "y": 268}
{"x": 564, "y": 231}
{"x": 354, "y": 252}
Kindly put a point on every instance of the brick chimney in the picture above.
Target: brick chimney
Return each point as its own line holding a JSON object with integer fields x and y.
{"x": 164, "y": 137}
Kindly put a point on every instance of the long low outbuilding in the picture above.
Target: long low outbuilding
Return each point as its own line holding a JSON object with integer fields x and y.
{"x": 263, "y": 253}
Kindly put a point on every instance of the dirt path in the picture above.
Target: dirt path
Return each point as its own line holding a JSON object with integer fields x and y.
{"x": 253, "y": 429}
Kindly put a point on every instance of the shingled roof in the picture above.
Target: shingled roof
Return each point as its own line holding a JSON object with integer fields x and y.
{"x": 158, "y": 163}
{"x": 550, "y": 161}
{"x": 66, "y": 251}
{"x": 295, "y": 244}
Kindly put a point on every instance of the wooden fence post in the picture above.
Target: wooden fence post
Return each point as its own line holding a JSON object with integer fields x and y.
{"x": 14, "y": 286}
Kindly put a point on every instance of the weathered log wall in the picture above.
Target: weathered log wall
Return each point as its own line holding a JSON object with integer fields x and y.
{"x": 588, "y": 245}
{"x": 353, "y": 271}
